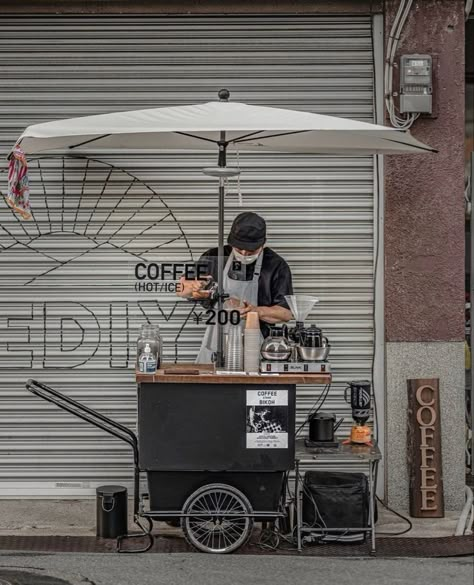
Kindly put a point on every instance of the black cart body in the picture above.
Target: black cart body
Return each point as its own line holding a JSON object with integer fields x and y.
{"x": 216, "y": 449}
{"x": 191, "y": 434}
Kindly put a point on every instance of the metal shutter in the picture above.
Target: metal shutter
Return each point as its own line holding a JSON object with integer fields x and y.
{"x": 69, "y": 315}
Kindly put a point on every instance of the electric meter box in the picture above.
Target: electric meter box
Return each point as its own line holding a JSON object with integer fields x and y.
{"x": 416, "y": 84}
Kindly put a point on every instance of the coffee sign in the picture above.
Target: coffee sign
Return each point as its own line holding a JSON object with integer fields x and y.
{"x": 424, "y": 449}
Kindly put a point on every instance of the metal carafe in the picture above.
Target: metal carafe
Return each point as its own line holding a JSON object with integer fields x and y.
{"x": 311, "y": 336}
{"x": 313, "y": 345}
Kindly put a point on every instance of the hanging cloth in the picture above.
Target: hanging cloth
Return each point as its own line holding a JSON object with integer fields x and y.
{"x": 18, "y": 197}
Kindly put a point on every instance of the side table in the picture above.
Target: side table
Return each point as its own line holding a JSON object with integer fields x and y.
{"x": 365, "y": 455}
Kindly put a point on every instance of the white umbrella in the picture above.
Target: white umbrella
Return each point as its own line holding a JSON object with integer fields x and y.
{"x": 200, "y": 127}
{"x": 221, "y": 124}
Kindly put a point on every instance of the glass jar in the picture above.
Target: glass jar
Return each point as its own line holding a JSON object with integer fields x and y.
{"x": 276, "y": 346}
{"x": 149, "y": 349}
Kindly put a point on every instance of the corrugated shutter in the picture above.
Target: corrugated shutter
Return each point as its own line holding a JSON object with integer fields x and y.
{"x": 69, "y": 314}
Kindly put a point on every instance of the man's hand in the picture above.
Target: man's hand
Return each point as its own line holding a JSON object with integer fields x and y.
{"x": 193, "y": 289}
{"x": 247, "y": 308}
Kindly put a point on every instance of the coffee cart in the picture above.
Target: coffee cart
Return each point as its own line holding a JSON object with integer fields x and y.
{"x": 216, "y": 448}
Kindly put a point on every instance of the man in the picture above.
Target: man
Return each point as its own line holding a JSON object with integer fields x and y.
{"x": 255, "y": 277}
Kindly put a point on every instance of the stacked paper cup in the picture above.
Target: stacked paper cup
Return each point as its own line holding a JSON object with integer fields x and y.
{"x": 234, "y": 353}
{"x": 252, "y": 343}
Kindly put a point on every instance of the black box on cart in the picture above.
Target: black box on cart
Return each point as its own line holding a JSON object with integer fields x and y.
{"x": 196, "y": 434}
{"x": 216, "y": 427}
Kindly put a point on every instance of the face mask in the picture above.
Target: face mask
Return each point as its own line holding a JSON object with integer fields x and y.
{"x": 245, "y": 259}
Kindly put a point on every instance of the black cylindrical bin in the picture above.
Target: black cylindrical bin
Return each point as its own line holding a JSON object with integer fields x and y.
{"x": 112, "y": 511}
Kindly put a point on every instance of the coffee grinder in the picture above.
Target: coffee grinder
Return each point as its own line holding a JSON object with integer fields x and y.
{"x": 360, "y": 403}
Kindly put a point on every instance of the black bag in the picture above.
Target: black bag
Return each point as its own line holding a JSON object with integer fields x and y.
{"x": 336, "y": 500}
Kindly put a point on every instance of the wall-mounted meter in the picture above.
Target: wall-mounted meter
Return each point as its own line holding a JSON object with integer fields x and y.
{"x": 416, "y": 84}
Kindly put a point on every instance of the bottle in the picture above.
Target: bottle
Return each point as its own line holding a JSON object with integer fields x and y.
{"x": 149, "y": 336}
{"x": 147, "y": 361}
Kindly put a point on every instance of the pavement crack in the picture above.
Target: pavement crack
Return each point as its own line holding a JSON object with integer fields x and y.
{"x": 87, "y": 580}
{"x": 23, "y": 567}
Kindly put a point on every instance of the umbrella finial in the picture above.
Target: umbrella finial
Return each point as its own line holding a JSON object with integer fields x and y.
{"x": 224, "y": 95}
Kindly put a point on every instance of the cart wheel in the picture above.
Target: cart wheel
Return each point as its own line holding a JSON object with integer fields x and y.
{"x": 224, "y": 522}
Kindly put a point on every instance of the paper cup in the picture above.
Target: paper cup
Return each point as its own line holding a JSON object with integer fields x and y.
{"x": 252, "y": 321}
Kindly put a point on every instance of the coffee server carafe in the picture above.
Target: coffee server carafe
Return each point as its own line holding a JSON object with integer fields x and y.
{"x": 276, "y": 346}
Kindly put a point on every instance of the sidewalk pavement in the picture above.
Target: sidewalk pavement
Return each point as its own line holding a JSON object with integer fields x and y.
{"x": 78, "y": 518}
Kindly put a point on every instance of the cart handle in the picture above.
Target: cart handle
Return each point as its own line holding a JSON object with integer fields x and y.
{"x": 85, "y": 413}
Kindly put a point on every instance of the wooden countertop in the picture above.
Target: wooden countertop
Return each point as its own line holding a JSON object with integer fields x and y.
{"x": 180, "y": 374}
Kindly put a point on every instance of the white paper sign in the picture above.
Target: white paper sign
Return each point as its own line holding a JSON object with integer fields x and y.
{"x": 267, "y": 397}
{"x": 267, "y": 419}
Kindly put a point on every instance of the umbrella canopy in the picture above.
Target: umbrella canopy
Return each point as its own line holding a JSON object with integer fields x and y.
{"x": 220, "y": 125}
{"x": 200, "y": 126}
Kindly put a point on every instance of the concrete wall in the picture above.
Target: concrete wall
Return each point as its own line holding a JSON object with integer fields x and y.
{"x": 424, "y": 251}
{"x": 431, "y": 360}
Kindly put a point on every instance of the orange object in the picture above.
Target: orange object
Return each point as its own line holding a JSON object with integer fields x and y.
{"x": 252, "y": 321}
{"x": 360, "y": 434}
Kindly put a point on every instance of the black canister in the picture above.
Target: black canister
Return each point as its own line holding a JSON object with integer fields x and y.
{"x": 112, "y": 511}
{"x": 321, "y": 427}
{"x": 360, "y": 399}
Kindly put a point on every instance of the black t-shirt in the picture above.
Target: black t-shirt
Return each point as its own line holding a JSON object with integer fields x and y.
{"x": 274, "y": 282}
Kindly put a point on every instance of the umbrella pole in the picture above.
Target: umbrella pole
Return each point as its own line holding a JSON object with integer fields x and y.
{"x": 220, "y": 258}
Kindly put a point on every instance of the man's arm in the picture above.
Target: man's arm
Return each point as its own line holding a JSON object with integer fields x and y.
{"x": 271, "y": 315}
{"x": 278, "y": 311}
{"x": 274, "y": 314}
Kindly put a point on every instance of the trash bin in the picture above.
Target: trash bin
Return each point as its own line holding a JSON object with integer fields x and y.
{"x": 112, "y": 511}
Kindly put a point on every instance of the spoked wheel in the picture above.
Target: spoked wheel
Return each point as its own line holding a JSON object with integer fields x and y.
{"x": 223, "y": 521}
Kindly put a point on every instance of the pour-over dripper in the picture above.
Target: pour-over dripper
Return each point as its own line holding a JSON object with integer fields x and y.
{"x": 300, "y": 306}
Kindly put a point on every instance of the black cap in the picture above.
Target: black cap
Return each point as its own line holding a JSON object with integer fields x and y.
{"x": 248, "y": 232}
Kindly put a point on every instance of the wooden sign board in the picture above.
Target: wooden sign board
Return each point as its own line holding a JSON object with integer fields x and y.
{"x": 424, "y": 449}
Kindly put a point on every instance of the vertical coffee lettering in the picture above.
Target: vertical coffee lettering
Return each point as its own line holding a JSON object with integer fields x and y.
{"x": 424, "y": 449}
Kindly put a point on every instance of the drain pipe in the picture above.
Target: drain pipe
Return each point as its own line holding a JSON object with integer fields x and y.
{"x": 468, "y": 8}
{"x": 461, "y": 527}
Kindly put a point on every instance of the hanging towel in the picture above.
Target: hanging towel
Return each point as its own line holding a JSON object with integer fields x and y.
{"x": 18, "y": 197}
